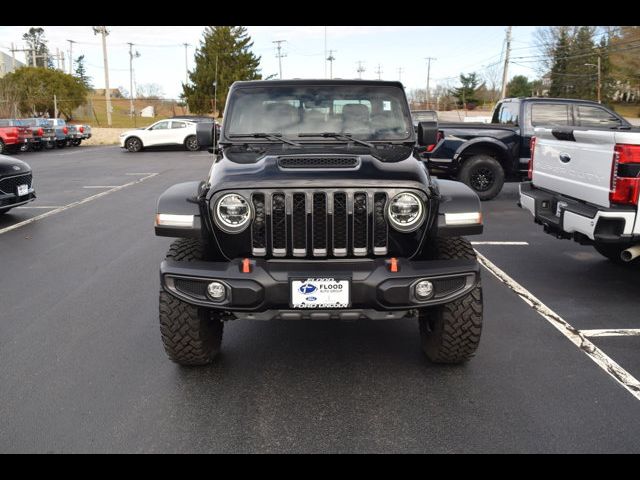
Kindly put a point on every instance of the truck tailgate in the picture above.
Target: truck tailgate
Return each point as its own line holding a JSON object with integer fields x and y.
{"x": 575, "y": 163}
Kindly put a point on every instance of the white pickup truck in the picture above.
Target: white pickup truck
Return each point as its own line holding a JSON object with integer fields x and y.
{"x": 584, "y": 184}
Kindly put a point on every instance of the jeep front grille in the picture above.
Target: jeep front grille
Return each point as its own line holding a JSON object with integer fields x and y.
{"x": 319, "y": 224}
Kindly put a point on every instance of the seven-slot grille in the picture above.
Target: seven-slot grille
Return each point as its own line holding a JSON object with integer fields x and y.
{"x": 319, "y": 224}
{"x": 10, "y": 184}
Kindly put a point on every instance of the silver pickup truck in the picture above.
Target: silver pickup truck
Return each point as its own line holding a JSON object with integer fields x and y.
{"x": 584, "y": 184}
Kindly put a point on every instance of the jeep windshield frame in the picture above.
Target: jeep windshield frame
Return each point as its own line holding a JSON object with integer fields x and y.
{"x": 365, "y": 111}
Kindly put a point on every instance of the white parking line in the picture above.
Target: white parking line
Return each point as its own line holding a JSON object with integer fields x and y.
{"x": 40, "y": 206}
{"x": 137, "y": 173}
{"x": 499, "y": 243}
{"x": 101, "y": 186}
{"x": 611, "y": 332}
{"x": 578, "y": 338}
{"x": 75, "y": 204}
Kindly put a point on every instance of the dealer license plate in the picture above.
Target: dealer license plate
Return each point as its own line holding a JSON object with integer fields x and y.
{"x": 320, "y": 292}
{"x": 23, "y": 190}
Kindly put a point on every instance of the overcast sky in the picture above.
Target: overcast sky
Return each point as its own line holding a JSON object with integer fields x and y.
{"x": 162, "y": 60}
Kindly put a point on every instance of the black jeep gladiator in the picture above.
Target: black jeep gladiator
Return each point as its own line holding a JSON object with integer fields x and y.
{"x": 484, "y": 155}
{"x": 317, "y": 207}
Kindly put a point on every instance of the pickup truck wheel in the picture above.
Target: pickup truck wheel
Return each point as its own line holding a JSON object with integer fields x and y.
{"x": 133, "y": 144}
{"x": 612, "y": 252}
{"x": 191, "y": 143}
{"x": 191, "y": 335}
{"x": 450, "y": 333}
{"x": 61, "y": 143}
{"x": 50, "y": 144}
{"x": 76, "y": 142}
{"x": 483, "y": 174}
{"x": 3, "y": 148}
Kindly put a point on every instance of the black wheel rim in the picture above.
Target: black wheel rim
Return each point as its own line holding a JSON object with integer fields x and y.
{"x": 192, "y": 144}
{"x": 133, "y": 145}
{"x": 482, "y": 179}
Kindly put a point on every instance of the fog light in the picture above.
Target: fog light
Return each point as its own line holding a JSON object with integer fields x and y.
{"x": 424, "y": 290}
{"x": 216, "y": 291}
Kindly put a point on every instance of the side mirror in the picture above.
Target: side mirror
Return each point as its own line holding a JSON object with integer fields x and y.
{"x": 427, "y": 133}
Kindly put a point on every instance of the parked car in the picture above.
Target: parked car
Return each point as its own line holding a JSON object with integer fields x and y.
{"x": 62, "y": 133}
{"x": 14, "y": 135}
{"x": 164, "y": 132}
{"x": 85, "y": 130}
{"x": 16, "y": 184}
{"x": 316, "y": 207}
{"x": 43, "y": 132}
{"x": 584, "y": 184}
{"x": 484, "y": 155}
{"x": 423, "y": 116}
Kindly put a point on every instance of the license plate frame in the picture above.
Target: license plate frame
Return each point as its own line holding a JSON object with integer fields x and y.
{"x": 22, "y": 190}
{"x": 300, "y": 301}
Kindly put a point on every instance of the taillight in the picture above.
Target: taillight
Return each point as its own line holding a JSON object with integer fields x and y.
{"x": 40, "y": 132}
{"x": 625, "y": 175}
{"x": 81, "y": 129}
{"x": 65, "y": 130}
{"x": 532, "y": 145}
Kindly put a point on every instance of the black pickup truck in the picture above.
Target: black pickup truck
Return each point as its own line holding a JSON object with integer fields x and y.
{"x": 484, "y": 155}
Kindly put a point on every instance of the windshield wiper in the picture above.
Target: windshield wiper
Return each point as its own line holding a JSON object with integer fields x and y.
{"x": 343, "y": 136}
{"x": 268, "y": 136}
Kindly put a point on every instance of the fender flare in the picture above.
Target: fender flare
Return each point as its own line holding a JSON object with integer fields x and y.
{"x": 179, "y": 200}
{"x": 456, "y": 198}
{"x": 491, "y": 142}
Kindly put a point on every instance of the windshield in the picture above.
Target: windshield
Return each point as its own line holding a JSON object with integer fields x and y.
{"x": 366, "y": 112}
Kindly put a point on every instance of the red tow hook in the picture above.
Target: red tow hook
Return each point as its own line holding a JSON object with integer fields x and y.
{"x": 393, "y": 265}
{"x": 246, "y": 265}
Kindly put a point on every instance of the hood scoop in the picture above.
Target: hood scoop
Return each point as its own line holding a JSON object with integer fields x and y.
{"x": 324, "y": 162}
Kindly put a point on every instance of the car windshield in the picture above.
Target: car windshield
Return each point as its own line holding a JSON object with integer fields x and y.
{"x": 365, "y": 112}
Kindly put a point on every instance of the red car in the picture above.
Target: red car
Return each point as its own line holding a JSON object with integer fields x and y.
{"x": 13, "y": 135}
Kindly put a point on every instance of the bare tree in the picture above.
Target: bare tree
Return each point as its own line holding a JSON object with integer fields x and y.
{"x": 149, "y": 91}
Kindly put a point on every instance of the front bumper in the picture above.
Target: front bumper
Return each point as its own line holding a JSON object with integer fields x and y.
{"x": 266, "y": 287}
{"x": 592, "y": 222}
{"x": 11, "y": 200}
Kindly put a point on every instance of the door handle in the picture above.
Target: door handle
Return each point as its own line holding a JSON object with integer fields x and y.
{"x": 565, "y": 158}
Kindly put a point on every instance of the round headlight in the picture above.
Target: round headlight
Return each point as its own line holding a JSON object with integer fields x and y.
{"x": 232, "y": 213}
{"x": 405, "y": 212}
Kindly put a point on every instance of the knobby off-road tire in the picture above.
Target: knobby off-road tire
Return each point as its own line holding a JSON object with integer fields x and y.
{"x": 483, "y": 174}
{"x": 450, "y": 333}
{"x": 613, "y": 251}
{"x": 191, "y": 335}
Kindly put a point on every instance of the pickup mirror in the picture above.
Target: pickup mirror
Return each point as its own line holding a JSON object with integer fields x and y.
{"x": 427, "y": 133}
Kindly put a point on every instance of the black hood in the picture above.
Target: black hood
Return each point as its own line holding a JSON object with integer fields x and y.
{"x": 10, "y": 166}
{"x": 268, "y": 172}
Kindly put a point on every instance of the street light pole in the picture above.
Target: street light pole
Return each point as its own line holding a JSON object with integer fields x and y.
{"x": 598, "y": 66}
{"x": 104, "y": 32}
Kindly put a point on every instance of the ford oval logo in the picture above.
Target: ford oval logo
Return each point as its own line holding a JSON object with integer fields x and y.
{"x": 15, "y": 167}
{"x": 306, "y": 288}
{"x": 311, "y": 299}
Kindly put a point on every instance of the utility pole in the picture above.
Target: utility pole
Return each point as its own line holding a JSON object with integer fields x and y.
{"x": 279, "y": 55}
{"x": 215, "y": 94}
{"x": 186, "y": 64}
{"x": 506, "y": 64}
{"x": 400, "y": 74}
{"x": 33, "y": 57}
{"x": 428, "y": 59}
{"x": 132, "y": 110}
{"x": 71, "y": 42}
{"x": 104, "y": 32}
{"x": 598, "y": 66}
{"x": 13, "y": 58}
{"x": 379, "y": 71}
{"x": 325, "y": 52}
{"x": 331, "y": 58}
{"x": 55, "y": 106}
{"x": 360, "y": 69}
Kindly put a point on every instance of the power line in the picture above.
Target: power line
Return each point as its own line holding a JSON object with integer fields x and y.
{"x": 331, "y": 58}
{"x": 360, "y": 69}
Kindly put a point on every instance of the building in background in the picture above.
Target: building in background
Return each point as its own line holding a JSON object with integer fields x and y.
{"x": 6, "y": 64}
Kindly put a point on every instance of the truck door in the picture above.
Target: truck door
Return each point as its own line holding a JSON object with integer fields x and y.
{"x": 575, "y": 162}
{"x": 538, "y": 114}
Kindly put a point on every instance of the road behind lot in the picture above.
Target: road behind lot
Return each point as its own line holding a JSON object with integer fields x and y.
{"x": 83, "y": 370}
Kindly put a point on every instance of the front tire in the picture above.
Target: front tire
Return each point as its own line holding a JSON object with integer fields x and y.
{"x": 191, "y": 143}
{"x": 450, "y": 333}
{"x": 191, "y": 335}
{"x": 483, "y": 174}
{"x": 133, "y": 144}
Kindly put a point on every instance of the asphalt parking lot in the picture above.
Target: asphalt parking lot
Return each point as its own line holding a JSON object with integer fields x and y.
{"x": 82, "y": 368}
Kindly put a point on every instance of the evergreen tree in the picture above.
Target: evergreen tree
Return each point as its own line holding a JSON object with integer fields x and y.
{"x": 231, "y": 46}
{"x": 519, "y": 86}
{"x": 559, "y": 85}
{"x": 38, "y": 44}
{"x": 466, "y": 94}
{"x": 583, "y": 78}
{"x": 81, "y": 72}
